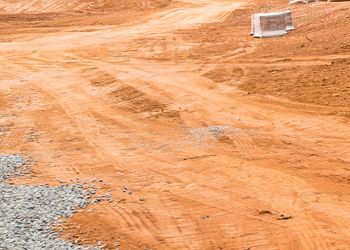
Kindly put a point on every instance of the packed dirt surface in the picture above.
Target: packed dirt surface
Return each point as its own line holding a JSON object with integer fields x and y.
{"x": 204, "y": 137}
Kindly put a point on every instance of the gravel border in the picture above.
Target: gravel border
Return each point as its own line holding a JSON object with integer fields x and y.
{"x": 28, "y": 212}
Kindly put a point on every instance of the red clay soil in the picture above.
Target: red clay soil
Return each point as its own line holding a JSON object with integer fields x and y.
{"x": 205, "y": 137}
{"x": 305, "y": 83}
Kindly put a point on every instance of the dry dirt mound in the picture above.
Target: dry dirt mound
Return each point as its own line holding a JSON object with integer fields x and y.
{"x": 321, "y": 29}
{"x": 306, "y": 84}
{"x": 41, "y": 6}
{"x": 44, "y": 6}
{"x": 18, "y": 17}
{"x": 309, "y": 65}
{"x": 314, "y": 60}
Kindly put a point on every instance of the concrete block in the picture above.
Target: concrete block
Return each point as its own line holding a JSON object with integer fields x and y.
{"x": 288, "y": 17}
{"x": 271, "y": 24}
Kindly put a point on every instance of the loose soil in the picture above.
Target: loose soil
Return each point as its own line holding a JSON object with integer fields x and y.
{"x": 205, "y": 137}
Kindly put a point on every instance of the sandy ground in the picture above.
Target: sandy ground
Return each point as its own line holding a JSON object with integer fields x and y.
{"x": 205, "y": 137}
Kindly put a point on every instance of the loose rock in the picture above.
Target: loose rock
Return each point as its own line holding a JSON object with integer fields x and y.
{"x": 28, "y": 212}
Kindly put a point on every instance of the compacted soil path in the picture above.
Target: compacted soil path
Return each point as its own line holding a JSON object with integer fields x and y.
{"x": 192, "y": 160}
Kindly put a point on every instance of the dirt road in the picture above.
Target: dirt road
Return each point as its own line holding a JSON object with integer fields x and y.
{"x": 191, "y": 160}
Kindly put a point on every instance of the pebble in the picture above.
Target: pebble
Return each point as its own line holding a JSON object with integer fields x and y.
{"x": 28, "y": 212}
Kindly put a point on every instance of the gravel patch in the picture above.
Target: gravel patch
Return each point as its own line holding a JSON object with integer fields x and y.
{"x": 9, "y": 164}
{"x": 204, "y": 134}
{"x": 28, "y": 212}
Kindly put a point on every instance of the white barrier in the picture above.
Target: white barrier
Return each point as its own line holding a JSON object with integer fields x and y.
{"x": 288, "y": 17}
{"x": 271, "y": 24}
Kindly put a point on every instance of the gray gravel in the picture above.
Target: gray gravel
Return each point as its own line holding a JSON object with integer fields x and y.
{"x": 9, "y": 165}
{"x": 203, "y": 134}
{"x": 26, "y": 212}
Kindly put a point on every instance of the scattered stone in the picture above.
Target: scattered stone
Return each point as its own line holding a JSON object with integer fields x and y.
{"x": 275, "y": 215}
{"x": 117, "y": 243}
{"x": 284, "y": 217}
{"x": 204, "y": 134}
{"x": 108, "y": 197}
{"x": 28, "y": 212}
{"x": 264, "y": 211}
{"x": 205, "y": 217}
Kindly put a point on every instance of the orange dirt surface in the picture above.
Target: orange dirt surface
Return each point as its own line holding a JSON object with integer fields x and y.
{"x": 205, "y": 137}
